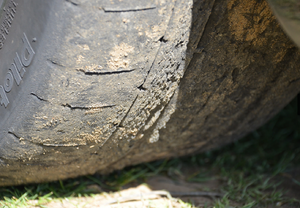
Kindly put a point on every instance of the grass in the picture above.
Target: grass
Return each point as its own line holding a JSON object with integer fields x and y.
{"x": 247, "y": 168}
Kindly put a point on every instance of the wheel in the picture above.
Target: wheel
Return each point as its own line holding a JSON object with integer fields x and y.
{"x": 93, "y": 86}
{"x": 287, "y": 14}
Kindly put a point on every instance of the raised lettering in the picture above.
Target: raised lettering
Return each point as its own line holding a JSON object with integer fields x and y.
{"x": 10, "y": 11}
{"x": 4, "y": 100}
{"x": 19, "y": 65}
{"x": 27, "y": 52}
{"x": 14, "y": 3}
{"x": 16, "y": 71}
{"x": 2, "y": 37}
{"x": 8, "y": 19}
{"x": 16, "y": 74}
{"x": 8, "y": 83}
{"x": 7, "y": 24}
{"x": 4, "y": 29}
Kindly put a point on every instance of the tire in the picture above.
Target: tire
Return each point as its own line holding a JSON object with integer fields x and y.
{"x": 114, "y": 84}
{"x": 287, "y": 14}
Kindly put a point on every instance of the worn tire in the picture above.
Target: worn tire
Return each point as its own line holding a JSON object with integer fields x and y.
{"x": 103, "y": 85}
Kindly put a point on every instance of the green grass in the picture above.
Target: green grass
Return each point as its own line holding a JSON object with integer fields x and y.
{"x": 247, "y": 168}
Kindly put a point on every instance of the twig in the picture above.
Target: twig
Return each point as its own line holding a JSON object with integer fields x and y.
{"x": 155, "y": 194}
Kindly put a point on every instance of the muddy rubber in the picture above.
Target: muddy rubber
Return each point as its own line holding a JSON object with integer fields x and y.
{"x": 116, "y": 83}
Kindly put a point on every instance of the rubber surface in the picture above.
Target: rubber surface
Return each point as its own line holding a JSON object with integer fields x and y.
{"x": 287, "y": 14}
{"x": 102, "y": 89}
{"x": 19, "y": 38}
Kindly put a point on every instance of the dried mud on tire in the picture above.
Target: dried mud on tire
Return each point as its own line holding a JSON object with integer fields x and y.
{"x": 120, "y": 83}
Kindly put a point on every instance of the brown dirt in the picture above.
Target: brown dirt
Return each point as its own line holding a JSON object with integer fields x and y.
{"x": 247, "y": 27}
{"x": 119, "y": 56}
